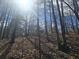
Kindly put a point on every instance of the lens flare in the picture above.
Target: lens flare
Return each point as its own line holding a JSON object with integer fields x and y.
{"x": 25, "y": 5}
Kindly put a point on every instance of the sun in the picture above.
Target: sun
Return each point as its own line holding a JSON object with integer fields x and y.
{"x": 25, "y": 5}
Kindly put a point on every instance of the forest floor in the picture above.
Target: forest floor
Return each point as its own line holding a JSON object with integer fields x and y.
{"x": 24, "y": 49}
{"x": 21, "y": 49}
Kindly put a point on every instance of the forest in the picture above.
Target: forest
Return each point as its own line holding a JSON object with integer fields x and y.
{"x": 39, "y": 29}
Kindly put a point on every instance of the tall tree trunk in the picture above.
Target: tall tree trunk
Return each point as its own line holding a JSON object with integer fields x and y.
{"x": 75, "y": 6}
{"x": 46, "y": 30}
{"x": 64, "y": 45}
{"x": 38, "y": 31}
{"x": 55, "y": 23}
{"x": 2, "y": 23}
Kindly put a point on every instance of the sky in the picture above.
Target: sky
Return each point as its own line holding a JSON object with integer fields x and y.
{"x": 27, "y": 7}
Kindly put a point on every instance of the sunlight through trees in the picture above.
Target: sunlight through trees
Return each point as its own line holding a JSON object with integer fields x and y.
{"x": 39, "y": 29}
